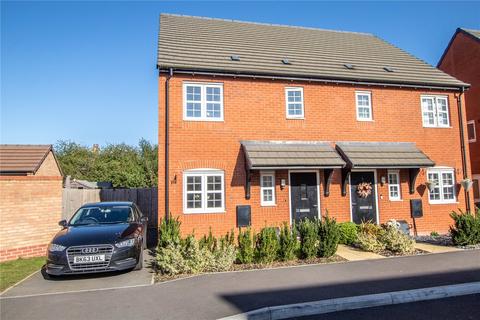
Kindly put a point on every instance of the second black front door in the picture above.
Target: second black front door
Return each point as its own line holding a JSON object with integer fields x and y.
{"x": 363, "y": 197}
{"x": 304, "y": 195}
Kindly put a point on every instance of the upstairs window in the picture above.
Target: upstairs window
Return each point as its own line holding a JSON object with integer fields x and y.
{"x": 203, "y": 101}
{"x": 294, "y": 99}
{"x": 444, "y": 185}
{"x": 203, "y": 191}
{"x": 364, "y": 105}
{"x": 394, "y": 185}
{"x": 267, "y": 188}
{"x": 472, "y": 135}
{"x": 435, "y": 111}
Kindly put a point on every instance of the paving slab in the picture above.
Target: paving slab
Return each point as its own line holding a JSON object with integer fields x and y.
{"x": 434, "y": 248}
{"x": 354, "y": 254}
{"x": 40, "y": 283}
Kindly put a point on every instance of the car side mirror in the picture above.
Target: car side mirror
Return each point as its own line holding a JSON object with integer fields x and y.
{"x": 62, "y": 223}
{"x": 144, "y": 219}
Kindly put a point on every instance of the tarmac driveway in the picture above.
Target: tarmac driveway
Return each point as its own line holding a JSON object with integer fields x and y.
{"x": 40, "y": 283}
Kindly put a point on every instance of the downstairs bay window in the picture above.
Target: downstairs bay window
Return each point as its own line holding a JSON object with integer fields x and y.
{"x": 203, "y": 191}
{"x": 444, "y": 185}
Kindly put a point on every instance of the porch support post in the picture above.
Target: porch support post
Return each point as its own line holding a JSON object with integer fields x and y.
{"x": 412, "y": 177}
{"x": 345, "y": 175}
{"x": 327, "y": 176}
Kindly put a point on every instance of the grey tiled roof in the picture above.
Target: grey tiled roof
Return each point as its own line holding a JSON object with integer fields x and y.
{"x": 291, "y": 154}
{"x": 383, "y": 155}
{"x": 22, "y": 158}
{"x": 204, "y": 44}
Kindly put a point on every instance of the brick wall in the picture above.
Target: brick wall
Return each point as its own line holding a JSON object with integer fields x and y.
{"x": 462, "y": 61}
{"x": 49, "y": 167}
{"x": 255, "y": 110}
{"x": 30, "y": 208}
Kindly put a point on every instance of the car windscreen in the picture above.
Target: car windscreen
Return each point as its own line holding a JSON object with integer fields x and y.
{"x": 102, "y": 215}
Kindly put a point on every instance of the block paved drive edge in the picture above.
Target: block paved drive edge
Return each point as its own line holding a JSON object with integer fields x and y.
{"x": 214, "y": 296}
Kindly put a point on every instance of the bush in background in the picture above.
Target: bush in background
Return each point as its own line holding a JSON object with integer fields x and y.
{"x": 245, "y": 246}
{"x": 395, "y": 240}
{"x": 169, "y": 232}
{"x": 266, "y": 245}
{"x": 328, "y": 236}
{"x": 288, "y": 243}
{"x": 348, "y": 233}
{"x": 368, "y": 237}
{"x": 307, "y": 230}
{"x": 466, "y": 228}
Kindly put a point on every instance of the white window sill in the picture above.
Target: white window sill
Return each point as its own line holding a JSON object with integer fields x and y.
{"x": 396, "y": 200}
{"x": 203, "y": 120}
{"x": 365, "y": 120}
{"x": 438, "y": 127}
{"x": 268, "y": 205}
{"x": 295, "y": 118}
{"x": 472, "y": 141}
{"x": 203, "y": 212}
{"x": 442, "y": 202}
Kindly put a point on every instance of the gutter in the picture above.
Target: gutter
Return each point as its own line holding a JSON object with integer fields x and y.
{"x": 167, "y": 180}
{"x": 322, "y": 80}
{"x": 462, "y": 147}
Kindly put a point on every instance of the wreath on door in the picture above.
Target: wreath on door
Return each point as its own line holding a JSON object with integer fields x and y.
{"x": 364, "y": 189}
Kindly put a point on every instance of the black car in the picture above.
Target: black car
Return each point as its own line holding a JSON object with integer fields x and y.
{"x": 103, "y": 236}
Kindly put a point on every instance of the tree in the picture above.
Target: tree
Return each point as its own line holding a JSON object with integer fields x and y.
{"x": 123, "y": 165}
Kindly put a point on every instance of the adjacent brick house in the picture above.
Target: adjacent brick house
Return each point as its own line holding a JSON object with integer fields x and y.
{"x": 30, "y": 199}
{"x": 289, "y": 122}
{"x": 461, "y": 59}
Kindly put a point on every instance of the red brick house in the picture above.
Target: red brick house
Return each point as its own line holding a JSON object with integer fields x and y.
{"x": 30, "y": 200}
{"x": 263, "y": 124}
{"x": 461, "y": 59}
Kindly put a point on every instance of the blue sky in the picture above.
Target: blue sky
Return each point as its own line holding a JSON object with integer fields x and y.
{"x": 85, "y": 71}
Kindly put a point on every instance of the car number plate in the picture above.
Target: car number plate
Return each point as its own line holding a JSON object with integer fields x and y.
{"x": 89, "y": 259}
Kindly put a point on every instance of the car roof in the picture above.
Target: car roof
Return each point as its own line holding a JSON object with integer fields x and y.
{"x": 108, "y": 204}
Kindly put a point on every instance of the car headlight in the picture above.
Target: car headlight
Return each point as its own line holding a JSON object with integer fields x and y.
{"x": 125, "y": 243}
{"x": 53, "y": 247}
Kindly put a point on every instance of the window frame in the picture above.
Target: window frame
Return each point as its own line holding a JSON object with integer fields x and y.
{"x": 296, "y": 116}
{"x": 440, "y": 186}
{"x": 264, "y": 203}
{"x": 398, "y": 185}
{"x": 472, "y": 122}
{"x": 204, "y": 174}
{"x": 370, "y": 107}
{"x": 203, "y": 101}
{"x": 436, "y": 123}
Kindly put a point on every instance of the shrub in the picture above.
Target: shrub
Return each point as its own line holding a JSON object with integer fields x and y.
{"x": 208, "y": 242}
{"x": 266, "y": 245}
{"x": 466, "y": 229}
{"x": 434, "y": 234}
{"x": 368, "y": 237}
{"x": 196, "y": 259}
{"x": 288, "y": 243}
{"x": 223, "y": 257}
{"x": 348, "y": 233}
{"x": 169, "y": 233}
{"x": 245, "y": 246}
{"x": 170, "y": 260}
{"x": 307, "y": 230}
{"x": 328, "y": 236}
{"x": 395, "y": 240}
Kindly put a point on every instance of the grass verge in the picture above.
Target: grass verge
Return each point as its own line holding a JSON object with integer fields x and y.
{"x": 12, "y": 272}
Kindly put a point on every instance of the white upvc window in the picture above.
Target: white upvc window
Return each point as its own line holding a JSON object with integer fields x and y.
{"x": 435, "y": 111}
{"x": 444, "y": 181}
{"x": 472, "y": 134}
{"x": 202, "y": 101}
{"x": 294, "y": 103}
{"x": 394, "y": 192}
{"x": 267, "y": 188}
{"x": 203, "y": 191}
{"x": 363, "y": 100}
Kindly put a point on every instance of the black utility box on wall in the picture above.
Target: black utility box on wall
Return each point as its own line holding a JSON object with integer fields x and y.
{"x": 416, "y": 208}
{"x": 244, "y": 215}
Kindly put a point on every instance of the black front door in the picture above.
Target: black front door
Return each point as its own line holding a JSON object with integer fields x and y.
{"x": 362, "y": 188}
{"x": 304, "y": 195}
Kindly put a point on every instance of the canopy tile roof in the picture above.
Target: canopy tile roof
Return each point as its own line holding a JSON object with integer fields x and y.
{"x": 226, "y": 46}
{"x": 383, "y": 155}
{"x": 291, "y": 154}
{"x": 22, "y": 158}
